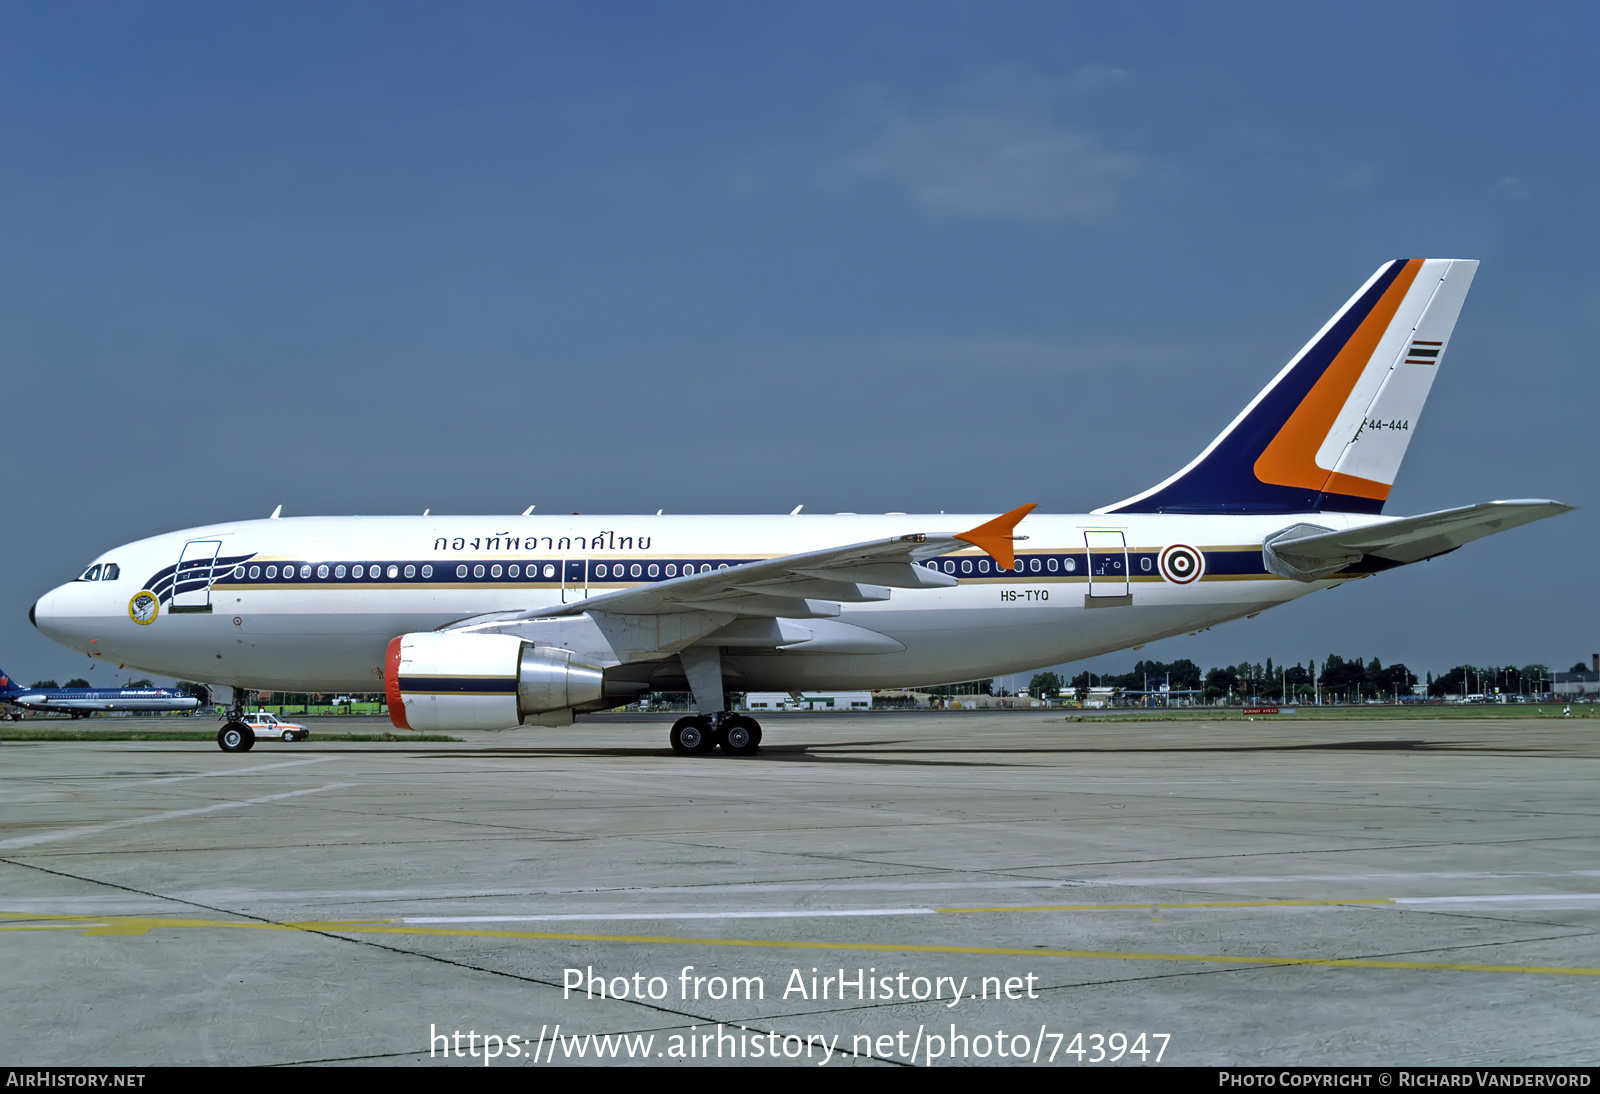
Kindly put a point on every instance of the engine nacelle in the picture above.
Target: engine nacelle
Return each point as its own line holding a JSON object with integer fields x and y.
{"x": 441, "y": 681}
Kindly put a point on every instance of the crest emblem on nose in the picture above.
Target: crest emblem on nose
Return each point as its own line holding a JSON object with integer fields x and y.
{"x": 144, "y": 607}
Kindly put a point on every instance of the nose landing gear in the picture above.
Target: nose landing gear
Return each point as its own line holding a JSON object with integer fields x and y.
{"x": 235, "y": 735}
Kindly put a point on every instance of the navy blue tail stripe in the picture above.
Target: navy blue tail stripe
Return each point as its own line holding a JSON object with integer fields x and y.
{"x": 1225, "y": 481}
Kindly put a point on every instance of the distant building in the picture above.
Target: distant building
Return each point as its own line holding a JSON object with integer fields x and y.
{"x": 782, "y": 700}
{"x": 1571, "y": 685}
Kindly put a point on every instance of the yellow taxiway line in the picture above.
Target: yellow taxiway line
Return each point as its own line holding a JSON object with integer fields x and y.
{"x": 138, "y": 925}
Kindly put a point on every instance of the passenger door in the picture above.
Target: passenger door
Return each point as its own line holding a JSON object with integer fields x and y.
{"x": 191, "y": 585}
{"x": 1108, "y": 570}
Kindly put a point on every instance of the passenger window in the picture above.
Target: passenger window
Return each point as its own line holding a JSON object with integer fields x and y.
{"x": 672, "y": 569}
{"x": 494, "y": 571}
{"x": 949, "y": 567}
{"x": 636, "y": 570}
{"x": 549, "y": 570}
{"x": 338, "y": 571}
{"x": 654, "y": 570}
{"x": 272, "y": 573}
{"x": 394, "y": 571}
{"x": 477, "y": 571}
{"x": 322, "y": 571}
{"x": 1072, "y": 564}
{"x": 305, "y": 570}
{"x": 513, "y": 570}
{"x": 411, "y": 571}
{"x": 255, "y": 572}
{"x": 358, "y": 571}
{"x": 461, "y": 571}
{"x": 427, "y": 571}
{"x": 1051, "y": 565}
{"x": 966, "y": 565}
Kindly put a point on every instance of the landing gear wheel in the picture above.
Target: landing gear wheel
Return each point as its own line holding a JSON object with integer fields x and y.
{"x": 693, "y": 736}
{"x": 236, "y": 737}
{"x": 741, "y": 736}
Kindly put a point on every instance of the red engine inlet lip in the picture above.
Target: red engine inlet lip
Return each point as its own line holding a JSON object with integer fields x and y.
{"x": 391, "y": 686}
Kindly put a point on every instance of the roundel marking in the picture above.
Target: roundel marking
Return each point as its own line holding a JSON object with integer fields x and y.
{"x": 1182, "y": 564}
{"x": 144, "y": 607}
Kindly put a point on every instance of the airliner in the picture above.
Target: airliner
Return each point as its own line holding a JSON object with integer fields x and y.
{"x": 490, "y": 622}
{"x": 82, "y": 702}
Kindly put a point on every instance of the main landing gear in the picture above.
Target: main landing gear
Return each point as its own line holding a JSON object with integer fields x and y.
{"x": 235, "y": 735}
{"x": 736, "y": 734}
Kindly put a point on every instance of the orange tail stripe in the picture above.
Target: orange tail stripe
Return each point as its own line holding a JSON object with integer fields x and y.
{"x": 1291, "y": 458}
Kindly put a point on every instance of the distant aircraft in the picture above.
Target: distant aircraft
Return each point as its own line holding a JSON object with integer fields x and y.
{"x": 492, "y": 622}
{"x": 82, "y": 702}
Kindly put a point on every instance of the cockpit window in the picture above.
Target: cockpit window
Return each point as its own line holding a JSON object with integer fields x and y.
{"x": 110, "y": 572}
{"x": 91, "y": 574}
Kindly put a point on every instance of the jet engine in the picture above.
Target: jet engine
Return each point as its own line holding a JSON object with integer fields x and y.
{"x": 442, "y": 681}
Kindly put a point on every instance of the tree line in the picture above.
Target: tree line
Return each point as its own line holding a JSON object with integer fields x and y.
{"x": 1336, "y": 678}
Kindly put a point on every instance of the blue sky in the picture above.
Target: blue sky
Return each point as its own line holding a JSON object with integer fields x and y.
{"x": 735, "y": 257}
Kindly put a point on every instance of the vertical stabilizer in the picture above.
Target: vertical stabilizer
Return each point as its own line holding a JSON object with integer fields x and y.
{"x": 1330, "y": 430}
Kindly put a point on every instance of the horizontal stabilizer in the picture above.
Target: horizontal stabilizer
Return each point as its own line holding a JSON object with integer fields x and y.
{"x": 1306, "y": 552}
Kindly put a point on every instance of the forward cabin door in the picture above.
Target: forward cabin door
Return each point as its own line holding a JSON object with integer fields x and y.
{"x": 191, "y": 585}
{"x": 1108, "y": 570}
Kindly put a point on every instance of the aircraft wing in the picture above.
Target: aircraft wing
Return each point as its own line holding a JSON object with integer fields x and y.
{"x": 1314, "y": 551}
{"x": 802, "y": 586}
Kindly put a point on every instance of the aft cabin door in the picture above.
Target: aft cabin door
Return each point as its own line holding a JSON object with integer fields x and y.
{"x": 574, "y": 579}
{"x": 191, "y": 585}
{"x": 1108, "y": 570}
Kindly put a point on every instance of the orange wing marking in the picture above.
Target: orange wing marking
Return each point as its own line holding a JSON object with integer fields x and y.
{"x": 995, "y": 538}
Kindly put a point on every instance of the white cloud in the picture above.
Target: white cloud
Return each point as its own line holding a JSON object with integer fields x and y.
{"x": 1359, "y": 178}
{"x": 1004, "y": 152}
{"x": 1510, "y": 188}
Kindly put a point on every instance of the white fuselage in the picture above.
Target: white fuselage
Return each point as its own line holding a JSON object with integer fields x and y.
{"x": 357, "y": 582}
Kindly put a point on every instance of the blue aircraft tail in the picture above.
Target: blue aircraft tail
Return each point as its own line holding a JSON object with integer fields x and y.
{"x": 1329, "y": 431}
{"x": 9, "y": 686}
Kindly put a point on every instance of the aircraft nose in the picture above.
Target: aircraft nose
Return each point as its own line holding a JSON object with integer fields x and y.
{"x": 43, "y": 615}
